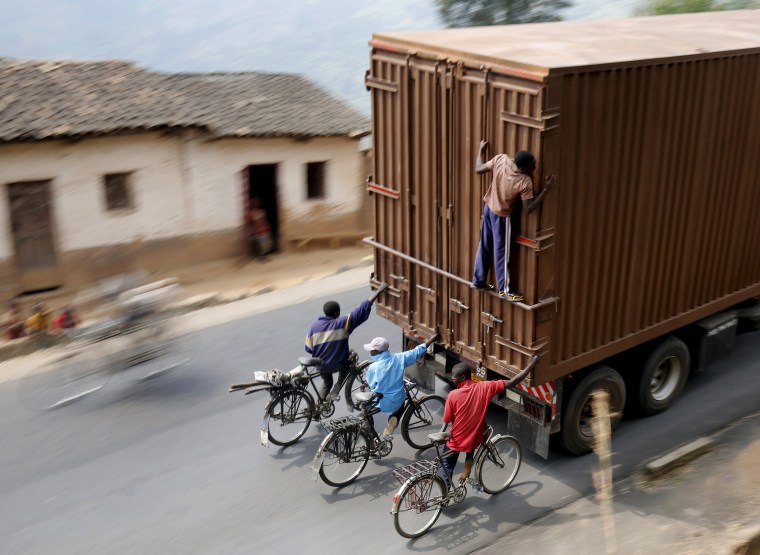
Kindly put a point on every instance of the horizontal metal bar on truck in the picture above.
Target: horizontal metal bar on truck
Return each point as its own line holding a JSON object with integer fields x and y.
{"x": 519, "y": 119}
{"x": 537, "y": 244}
{"x": 371, "y": 241}
{"x": 517, "y": 347}
{"x": 383, "y": 190}
{"x": 382, "y": 84}
{"x": 529, "y": 307}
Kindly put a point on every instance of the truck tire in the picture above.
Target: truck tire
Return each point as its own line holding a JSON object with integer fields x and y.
{"x": 576, "y": 436}
{"x": 662, "y": 376}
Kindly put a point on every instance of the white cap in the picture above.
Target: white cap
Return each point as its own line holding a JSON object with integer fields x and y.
{"x": 379, "y": 344}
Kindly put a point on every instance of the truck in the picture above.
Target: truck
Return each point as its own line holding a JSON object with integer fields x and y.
{"x": 639, "y": 268}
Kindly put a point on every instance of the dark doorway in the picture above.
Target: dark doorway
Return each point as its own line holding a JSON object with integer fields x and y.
{"x": 33, "y": 238}
{"x": 262, "y": 184}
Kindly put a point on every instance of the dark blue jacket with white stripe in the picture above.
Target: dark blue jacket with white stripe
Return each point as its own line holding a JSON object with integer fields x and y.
{"x": 328, "y": 337}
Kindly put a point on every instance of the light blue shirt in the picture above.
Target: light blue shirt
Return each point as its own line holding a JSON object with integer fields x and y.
{"x": 386, "y": 376}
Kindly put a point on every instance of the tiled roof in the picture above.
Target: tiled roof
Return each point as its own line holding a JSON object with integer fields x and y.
{"x": 51, "y": 99}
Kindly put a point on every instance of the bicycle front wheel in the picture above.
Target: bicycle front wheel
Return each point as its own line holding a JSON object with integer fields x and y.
{"x": 498, "y": 464}
{"x": 418, "y": 505}
{"x": 289, "y": 417}
{"x": 354, "y": 384}
{"x": 421, "y": 418}
{"x": 345, "y": 456}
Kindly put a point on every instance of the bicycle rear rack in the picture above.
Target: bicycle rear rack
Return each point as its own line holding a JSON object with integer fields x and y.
{"x": 342, "y": 423}
{"x": 402, "y": 474}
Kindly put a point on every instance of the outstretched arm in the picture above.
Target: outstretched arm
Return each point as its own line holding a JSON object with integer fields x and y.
{"x": 360, "y": 314}
{"x": 416, "y": 353}
{"x": 376, "y": 294}
{"x": 480, "y": 165}
{"x": 522, "y": 375}
{"x": 532, "y": 204}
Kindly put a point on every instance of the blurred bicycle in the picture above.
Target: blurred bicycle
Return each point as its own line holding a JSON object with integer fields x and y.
{"x": 132, "y": 330}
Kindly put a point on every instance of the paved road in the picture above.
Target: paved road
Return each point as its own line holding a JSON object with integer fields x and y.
{"x": 174, "y": 465}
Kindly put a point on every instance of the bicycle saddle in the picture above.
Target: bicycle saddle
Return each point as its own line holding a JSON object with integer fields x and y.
{"x": 363, "y": 396}
{"x": 439, "y": 437}
{"x": 310, "y": 361}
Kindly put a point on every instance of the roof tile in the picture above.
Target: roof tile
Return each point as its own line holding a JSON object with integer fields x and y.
{"x": 54, "y": 99}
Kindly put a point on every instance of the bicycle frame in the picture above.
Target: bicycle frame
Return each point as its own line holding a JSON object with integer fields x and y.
{"x": 359, "y": 424}
{"x": 316, "y": 406}
{"x": 437, "y": 467}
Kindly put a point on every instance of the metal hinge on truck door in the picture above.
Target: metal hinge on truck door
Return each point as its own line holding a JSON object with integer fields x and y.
{"x": 457, "y": 306}
{"x": 490, "y": 320}
{"x": 426, "y": 290}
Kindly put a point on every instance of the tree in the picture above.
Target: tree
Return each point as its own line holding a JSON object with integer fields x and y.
{"x": 475, "y": 13}
{"x": 664, "y": 7}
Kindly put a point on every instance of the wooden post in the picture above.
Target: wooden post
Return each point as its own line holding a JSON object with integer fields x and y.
{"x": 603, "y": 476}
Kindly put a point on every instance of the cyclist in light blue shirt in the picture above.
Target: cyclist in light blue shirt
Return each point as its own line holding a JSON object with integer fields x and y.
{"x": 386, "y": 376}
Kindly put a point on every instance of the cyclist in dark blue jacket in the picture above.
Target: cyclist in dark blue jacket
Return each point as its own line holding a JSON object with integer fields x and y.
{"x": 328, "y": 339}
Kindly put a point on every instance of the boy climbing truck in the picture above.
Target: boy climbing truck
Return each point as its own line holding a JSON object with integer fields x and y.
{"x": 640, "y": 267}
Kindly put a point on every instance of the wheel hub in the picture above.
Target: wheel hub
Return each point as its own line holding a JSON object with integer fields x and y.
{"x": 665, "y": 378}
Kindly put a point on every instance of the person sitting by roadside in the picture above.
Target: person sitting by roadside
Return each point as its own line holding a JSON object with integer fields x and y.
{"x": 39, "y": 322}
{"x": 13, "y": 320}
{"x": 465, "y": 410}
{"x": 67, "y": 319}
{"x": 386, "y": 376}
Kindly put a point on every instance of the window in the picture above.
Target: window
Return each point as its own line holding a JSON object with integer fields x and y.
{"x": 315, "y": 180}
{"x": 118, "y": 191}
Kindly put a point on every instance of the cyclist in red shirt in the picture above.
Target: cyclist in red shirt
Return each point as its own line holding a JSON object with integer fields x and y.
{"x": 466, "y": 412}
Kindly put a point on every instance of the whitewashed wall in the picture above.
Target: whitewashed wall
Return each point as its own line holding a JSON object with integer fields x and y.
{"x": 216, "y": 185}
{"x": 76, "y": 172}
{"x": 181, "y": 185}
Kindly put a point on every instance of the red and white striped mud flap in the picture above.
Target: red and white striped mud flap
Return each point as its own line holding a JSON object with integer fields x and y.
{"x": 543, "y": 392}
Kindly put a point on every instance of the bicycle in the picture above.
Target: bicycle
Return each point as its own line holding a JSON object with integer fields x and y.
{"x": 352, "y": 440}
{"x": 426, "y": 485}
{"x": 79, "y": 361}
{"x": 291, "y": 406}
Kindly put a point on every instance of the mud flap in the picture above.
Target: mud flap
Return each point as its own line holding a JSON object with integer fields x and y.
{"x": 265, "y": 424}
{"x": 317, "y": 462}
{"x": 529, "y": 433}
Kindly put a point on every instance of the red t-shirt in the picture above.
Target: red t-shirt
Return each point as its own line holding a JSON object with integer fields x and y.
{"x": 466, "y": 411}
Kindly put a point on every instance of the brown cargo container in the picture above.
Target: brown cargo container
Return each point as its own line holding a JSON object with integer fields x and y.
{"x": 652, "y": 126}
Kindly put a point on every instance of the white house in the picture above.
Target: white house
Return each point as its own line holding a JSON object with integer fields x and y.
{"x": 105, "y": 167}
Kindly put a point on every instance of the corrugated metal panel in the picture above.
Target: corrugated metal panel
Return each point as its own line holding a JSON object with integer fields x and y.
{"x": 652, "y": 227}
{"x": 658, "y": 196}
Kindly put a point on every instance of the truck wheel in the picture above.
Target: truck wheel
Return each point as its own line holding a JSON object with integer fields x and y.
{"x": 576, "y": 436}
{"x": 663, "y": 376}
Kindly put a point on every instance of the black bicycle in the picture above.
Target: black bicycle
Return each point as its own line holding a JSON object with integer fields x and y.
{"x": 353, "y": 440}
{"x": 291, "y": 407}
{"x": 428, "y": 487}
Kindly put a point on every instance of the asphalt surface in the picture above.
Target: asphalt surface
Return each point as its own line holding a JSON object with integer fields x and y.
{"x": 174, "y": 465}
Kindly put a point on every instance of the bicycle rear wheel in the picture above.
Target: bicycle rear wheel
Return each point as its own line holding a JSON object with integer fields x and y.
{"x": 345, "y": 456}
{"x": 418, "y": 505}
{"x": 64, "y": 377}
{"x": 289, "y": 417}
{"x": 498, "y": 464}
{"x": 421, "y": 418}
